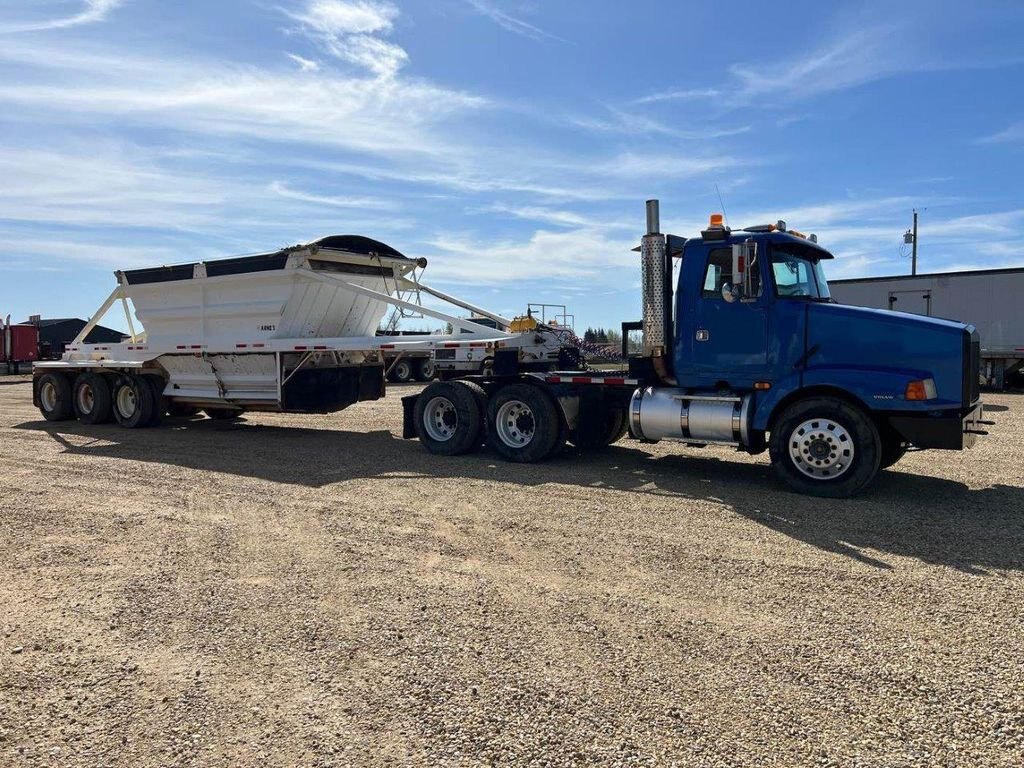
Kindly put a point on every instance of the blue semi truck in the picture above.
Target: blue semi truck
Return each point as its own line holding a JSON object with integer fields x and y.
{"x": 747, "y": 349}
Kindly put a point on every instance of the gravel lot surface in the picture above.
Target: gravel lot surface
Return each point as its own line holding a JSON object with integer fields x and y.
{"x": 304, "y": 590}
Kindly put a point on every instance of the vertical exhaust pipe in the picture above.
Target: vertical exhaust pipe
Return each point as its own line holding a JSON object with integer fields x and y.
{"x": 656, "y": 288}
{"x": 653, "y": 256}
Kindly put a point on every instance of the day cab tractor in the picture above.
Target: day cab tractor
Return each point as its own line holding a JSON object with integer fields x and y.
{"x": 749, "y": 350}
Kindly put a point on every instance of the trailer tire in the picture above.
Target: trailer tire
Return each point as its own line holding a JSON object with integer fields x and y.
{"x": 824, "y": 446}
{"x": 400, "y": 371}
{"x": 55, "y": 398}
{"x": 157, "y": 384}
{"x": 425, "y": 370}
{"x": 524, "y": 424}
{"x": 448, "y": 417}
{"x": 222, "y": 414}
{"x": 93, "y": 401}
{"x": 133, "y": 401}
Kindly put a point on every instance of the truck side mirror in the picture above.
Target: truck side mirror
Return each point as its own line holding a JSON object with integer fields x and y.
{"x": 744, "y": 273}
{"x": 730, "y": 292}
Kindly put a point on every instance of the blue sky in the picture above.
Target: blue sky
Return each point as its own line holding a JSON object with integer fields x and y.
{"x": 511, "y": 143}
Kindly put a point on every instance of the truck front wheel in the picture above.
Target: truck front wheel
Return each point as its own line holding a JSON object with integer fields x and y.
{"x": 824, "y": 446}
{"x": 524, "y": 424}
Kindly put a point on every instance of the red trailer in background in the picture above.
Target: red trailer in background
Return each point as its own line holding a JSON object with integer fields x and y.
{"x": 18, "y": 344}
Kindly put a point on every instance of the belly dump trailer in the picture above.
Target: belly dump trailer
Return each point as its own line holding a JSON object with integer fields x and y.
{"x": 748, "y": 350}
{"x": 989, "y": 299}
{"x": 294, "y": 330}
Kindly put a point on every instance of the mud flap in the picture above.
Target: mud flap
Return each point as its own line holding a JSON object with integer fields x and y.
{"x": 408, "y": 418}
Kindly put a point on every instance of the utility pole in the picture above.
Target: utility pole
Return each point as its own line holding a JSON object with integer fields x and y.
{"x": 910, "y": 236}
{"x": 913, "y": 253}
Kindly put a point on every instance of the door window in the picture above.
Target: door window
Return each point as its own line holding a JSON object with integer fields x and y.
{"x": 719, "y": 272}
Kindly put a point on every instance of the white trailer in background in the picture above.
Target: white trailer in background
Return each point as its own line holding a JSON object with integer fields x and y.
{"x": 990, "y": 299}
{"x": 292, "y": 330}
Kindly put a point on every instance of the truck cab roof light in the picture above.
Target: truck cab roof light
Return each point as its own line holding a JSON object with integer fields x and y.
{"x": 780, "y": 225}
{"x": 812, "y": 237}
{"x": 716, "y": 228}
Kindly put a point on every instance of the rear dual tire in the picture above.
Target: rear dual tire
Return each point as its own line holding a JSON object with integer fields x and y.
{"x": 135, "y": 402}
{"x": 449, "y": 417}
{"x": 55, "y": 397}
{"x": 524, "y": 424}
{"x": 607, "y": 426}
{"x": 425, "y": 370}
{"x": 93, "y": 399}
{"x": 401, "y": 371}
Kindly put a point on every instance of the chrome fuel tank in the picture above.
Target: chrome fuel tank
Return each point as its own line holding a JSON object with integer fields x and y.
{"x": 668, "y": 413}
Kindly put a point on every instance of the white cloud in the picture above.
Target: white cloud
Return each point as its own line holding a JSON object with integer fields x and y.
{"x": 333, "y": 201}
{"x": 629, "y": 122}
{"x": 666, "y": 166}
{"x": 862, "y": 50}
{"x": 306, "y": 65}
{"x": 540, "y": 213}
{"x": 1013, "y": 134}
{"x": 92, "y": 11}
{"x": 564, "y": 256}
{"x": 348, "y": 31}
{"x": 370, "y": 114}
{"x": 382, "y": 58}
{"x": 510, "y": 23}
{"x": 338, "y": 17}
{"x": 679, "y": 94}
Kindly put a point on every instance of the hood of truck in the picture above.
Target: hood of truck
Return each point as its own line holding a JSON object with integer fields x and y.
{"x": 841, "y": 336}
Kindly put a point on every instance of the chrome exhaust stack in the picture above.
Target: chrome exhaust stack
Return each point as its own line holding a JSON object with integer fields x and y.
{"x": 656, "y": 290}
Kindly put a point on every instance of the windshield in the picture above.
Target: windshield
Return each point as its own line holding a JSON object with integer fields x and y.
{"x": 798, "y": 276}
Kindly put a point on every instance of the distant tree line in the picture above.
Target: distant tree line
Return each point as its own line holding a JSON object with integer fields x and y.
{"x": 602, "y": 336}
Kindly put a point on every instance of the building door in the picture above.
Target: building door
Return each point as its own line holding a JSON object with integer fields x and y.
{"x": 915, "y": 302}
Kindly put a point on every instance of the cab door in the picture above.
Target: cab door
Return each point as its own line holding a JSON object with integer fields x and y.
{"x": 729, "y": 340}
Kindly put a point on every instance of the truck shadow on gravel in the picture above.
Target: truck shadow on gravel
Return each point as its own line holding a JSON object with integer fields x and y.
{"x": 935, "y": 520}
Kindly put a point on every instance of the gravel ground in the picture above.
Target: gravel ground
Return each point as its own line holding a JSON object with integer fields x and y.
{"x": 302, "y": 590}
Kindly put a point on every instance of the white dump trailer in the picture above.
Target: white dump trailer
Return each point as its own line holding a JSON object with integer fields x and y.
{"x": 989, "y": 299}
{"x": 291, "y": 330}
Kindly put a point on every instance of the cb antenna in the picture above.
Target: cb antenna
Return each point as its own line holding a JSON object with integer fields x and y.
{"x": 722, "y": 203}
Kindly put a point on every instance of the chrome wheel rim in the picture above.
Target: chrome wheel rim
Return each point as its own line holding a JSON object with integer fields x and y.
{"x": 516, "y": 424}
{"x": 86, "y": 398}
{"x": 48, "y": 396}
{"x": 440, "y": 419}
{"x": 402, "y": 370}
{"x": 126, "y": 400}
{"x": 428, "y": 369}
{"x": 821, "y": 449}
